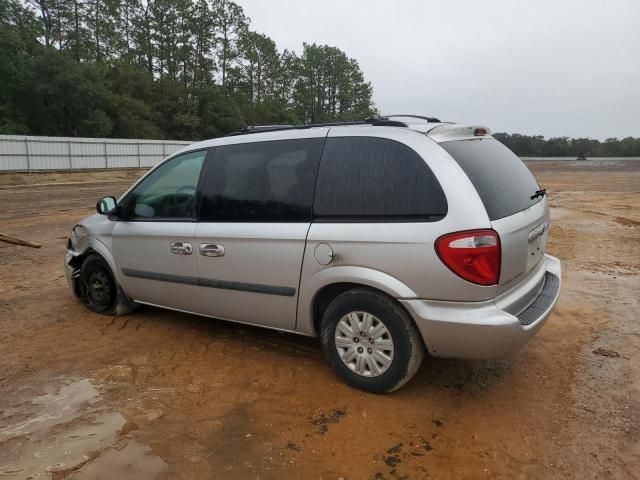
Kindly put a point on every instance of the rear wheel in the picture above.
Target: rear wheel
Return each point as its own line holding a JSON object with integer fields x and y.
{"x": 99, "y": 290}
{"x": 370, "y": 341}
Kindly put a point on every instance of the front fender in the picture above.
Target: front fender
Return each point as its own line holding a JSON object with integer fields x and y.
{"x": 94, "y": 233}
{"x": 310, "y": 286}
{"x": 91, "y": 243}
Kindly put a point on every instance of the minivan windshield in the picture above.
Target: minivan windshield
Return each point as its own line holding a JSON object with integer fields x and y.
{"x": 503, "y": 182}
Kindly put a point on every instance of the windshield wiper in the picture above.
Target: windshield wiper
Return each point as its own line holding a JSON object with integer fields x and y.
{"x": 539, "y": 193}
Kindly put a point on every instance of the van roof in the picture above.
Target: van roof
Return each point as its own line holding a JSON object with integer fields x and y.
{"x": 437, "y": 130}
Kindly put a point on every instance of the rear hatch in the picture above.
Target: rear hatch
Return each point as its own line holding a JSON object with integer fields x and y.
{"x": 510, "y": 193}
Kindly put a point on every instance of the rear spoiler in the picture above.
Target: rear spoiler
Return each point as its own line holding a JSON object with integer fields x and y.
{"x": 448, "y": 132}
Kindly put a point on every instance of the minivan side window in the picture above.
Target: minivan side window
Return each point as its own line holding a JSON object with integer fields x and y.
{"x": 375, "y": 179}
{"x": 269, "y": 181}
{"x": 169, "y": 192}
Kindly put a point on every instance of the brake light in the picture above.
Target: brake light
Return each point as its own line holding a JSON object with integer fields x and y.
{"x": 473, "y": 255}
{"x": 479, "y": 132}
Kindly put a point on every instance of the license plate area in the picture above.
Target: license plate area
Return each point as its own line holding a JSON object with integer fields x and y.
{"x": 537, "y": 244}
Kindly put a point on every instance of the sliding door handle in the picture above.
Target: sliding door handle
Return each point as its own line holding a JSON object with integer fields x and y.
{"x": 181, "y": 248}
{"x": 211, "y": 250}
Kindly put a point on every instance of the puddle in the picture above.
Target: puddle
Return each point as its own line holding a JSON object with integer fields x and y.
{"x": 69, "y": 433}
{"x": 134, "y": 461}
{"x": 50, "y": 409}
{"x": 63, "y": 452}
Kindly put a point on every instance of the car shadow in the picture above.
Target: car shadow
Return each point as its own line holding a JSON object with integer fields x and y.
{"x": 435, "y": 373}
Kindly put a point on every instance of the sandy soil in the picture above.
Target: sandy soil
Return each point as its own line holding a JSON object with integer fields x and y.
{"x": 160, "y": 394}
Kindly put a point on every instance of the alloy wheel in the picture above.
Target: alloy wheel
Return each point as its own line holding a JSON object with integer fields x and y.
{"x": 364, "y": 344}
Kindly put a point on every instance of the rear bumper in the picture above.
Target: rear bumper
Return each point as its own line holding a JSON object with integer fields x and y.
{"x": 492, "y": 329}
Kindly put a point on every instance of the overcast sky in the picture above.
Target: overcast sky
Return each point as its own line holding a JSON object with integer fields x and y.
{"x": 555, "y": 68}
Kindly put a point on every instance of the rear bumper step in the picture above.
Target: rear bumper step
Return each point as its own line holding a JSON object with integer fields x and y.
{"x": 543, "y": 301}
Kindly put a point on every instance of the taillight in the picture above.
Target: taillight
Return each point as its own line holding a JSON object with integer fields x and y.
{"x": 473, "y": 255}
{"x": 479, "y": 132}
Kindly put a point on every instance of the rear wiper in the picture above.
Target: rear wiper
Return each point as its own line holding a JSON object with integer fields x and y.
{"x": 539, "y": 193}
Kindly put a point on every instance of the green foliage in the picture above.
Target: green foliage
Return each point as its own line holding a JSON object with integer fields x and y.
{"x": 67, "y": 98}
{"x": 18, "y": 30}
{"x": 132, "y": 101}
{"x": 330, "y": 86}
{"x": 537, "y": 146}
{"x": 184, "y": 69}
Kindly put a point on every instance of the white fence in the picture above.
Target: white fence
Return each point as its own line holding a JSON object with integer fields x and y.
{"x": 588, "y": 159}
{"x": 26, "y": 153}
{"x": 20, "y": 153}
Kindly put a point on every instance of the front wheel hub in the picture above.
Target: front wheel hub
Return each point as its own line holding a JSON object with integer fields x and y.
{"x": 100, "y": 290}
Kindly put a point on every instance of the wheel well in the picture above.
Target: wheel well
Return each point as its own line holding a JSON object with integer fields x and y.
{"x": 76, "y": 262}
{"x": 326, "y": 295}
{"x": 124, "y": 305}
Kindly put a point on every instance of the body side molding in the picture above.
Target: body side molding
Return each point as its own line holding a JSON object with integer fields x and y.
{"x": 211, "y": 283}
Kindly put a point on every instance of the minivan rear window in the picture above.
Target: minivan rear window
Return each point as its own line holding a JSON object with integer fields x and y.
{"x": 503, "y": 182}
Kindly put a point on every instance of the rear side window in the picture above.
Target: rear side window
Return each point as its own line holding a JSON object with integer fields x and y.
{"x": 261, "y": 182}
{"x": 376, "y": 179}
{"x": 503, "y": 182}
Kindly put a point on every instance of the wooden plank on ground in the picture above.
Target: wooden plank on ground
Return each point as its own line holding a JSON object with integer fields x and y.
{"x": 18, "y": 241}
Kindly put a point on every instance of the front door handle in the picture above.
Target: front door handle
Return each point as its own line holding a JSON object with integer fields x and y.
{"x": 211, "y": 250}
{"x": 181, "y": 248}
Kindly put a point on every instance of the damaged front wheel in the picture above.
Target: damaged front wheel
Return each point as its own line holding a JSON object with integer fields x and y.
{"x": 99, "y": 290}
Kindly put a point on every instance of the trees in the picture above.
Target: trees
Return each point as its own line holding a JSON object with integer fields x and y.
{"x": 330, "y": 86}
{"x": 19, "y": 29}
{"x": 45, "y": 18}
{"x": 67, "y": 98}
{"x": 230, "y": 24}
{"x": 258, "y": 65}
{"x": 537, "y": 146}
{"x": 203, "y": 43}
{"x": 161, "y": 68}
{"x": 102, "y": 19}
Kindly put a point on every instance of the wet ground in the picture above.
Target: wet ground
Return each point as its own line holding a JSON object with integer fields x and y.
{"x": 160, "y": 394}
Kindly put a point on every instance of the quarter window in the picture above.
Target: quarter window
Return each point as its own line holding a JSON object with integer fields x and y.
{"x": 376, "y": 179}
{"x": 261, "y": 182}
{"x": 169, "y": 192}
{"x": 503, "y": 182}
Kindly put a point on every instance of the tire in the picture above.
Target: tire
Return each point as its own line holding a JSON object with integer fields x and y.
{"x": 387, "y": 362}
{"x": 98, "y": 289}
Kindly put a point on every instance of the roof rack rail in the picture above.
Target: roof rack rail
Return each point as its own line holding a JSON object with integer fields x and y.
{"x": 383, "y": 120}
{"x": 373, "y": 120}
{"x": 428, "y": 119}
{"x": 267, "y": 127}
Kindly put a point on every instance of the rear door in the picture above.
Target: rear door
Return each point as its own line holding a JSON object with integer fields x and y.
{"x": 255, "y": 216}
{"x": 154, "y": 246}
{"x": 508, "y": 191}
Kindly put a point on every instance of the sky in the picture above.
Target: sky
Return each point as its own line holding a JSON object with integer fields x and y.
{"x": 552, "y": 68}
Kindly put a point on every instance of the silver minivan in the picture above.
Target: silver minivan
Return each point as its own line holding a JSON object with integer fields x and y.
{"x": 384, "y": 238}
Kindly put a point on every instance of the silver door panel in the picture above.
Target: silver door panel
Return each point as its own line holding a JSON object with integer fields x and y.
{"x": 256, "y": 279}
{"x": 149, "y": 270}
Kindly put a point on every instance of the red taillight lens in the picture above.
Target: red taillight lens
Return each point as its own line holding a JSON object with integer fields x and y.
{"x": 473, "y": 255}
{"x": 479, "y": 132}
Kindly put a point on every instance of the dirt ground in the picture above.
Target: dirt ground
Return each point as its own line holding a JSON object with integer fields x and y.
{"x": 160, "y": 394}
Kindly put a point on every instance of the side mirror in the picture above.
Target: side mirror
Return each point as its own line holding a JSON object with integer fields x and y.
{"x": 106, "y": 205}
